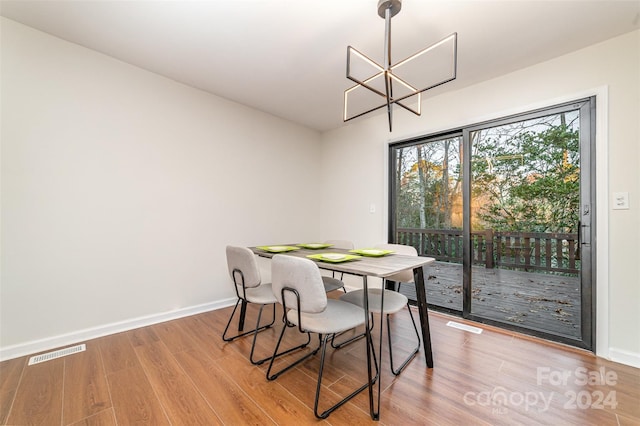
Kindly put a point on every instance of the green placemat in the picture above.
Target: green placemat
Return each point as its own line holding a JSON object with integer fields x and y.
{"x": 278, "y": 249}
{"x": 315, "y": 246}
{"x": 371, "y": 252}
{"x": 333, "y": 257}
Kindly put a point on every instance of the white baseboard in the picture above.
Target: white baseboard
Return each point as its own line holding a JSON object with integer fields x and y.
{"x": 625, "y": 357}
{"x": 49, "y": 343}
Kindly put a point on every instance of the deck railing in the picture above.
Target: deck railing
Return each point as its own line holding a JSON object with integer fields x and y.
{"x": 529, "y": 251}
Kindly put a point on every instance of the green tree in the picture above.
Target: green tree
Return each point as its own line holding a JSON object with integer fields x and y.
{"x": 525, "y": 177}
{"x": 528, "y": 177}
{"x": 428, "y": 180}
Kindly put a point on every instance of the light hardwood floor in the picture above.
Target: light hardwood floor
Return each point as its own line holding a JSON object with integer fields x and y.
{"x": 182, "y": 373}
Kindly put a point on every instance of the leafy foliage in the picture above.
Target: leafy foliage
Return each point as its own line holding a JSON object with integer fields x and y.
{"x": 525, "y": 177}
{"x": 530, "y": 180}
{"x": 430, "y": 186}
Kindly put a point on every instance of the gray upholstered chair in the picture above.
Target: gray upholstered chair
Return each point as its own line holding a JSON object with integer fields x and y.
{"x": 245, "y": 274}
{"x": 297, "y": 284}
{"x": 333, "y": 283}
{"x": 393, "y": 303}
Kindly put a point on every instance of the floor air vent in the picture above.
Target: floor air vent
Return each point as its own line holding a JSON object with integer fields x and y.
{"x": 464, "y": 327}
{"x": 57, "y": 354}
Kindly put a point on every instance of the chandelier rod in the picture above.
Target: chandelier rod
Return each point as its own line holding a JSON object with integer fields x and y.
{"x": 387, "y": 61}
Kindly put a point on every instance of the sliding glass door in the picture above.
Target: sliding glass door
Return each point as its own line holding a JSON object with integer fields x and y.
{"x": 509, "y": 224}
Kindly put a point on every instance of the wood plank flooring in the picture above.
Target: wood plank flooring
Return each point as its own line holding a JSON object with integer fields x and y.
{"x": 182, "y": 373}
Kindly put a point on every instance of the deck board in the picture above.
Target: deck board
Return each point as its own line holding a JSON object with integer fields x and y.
{"x": 543, "y": 302}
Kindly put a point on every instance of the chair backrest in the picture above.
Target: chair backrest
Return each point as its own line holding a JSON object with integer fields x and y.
{"x": 302, "y": 275}
{"x": 243, "y": 259}
{"x": 404, "y": 276}
{"x": 341, "y": 244}
{"x": 399, "y": 248}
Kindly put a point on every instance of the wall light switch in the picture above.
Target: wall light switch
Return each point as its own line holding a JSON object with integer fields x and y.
{"x": 372, "y": 208}
{"x": 620, "y": 201}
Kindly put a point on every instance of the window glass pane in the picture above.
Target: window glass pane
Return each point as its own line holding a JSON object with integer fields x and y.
{"x": 429, "y": 213}
{"x": 525, "y": 197}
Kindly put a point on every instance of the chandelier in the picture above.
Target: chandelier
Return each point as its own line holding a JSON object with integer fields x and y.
{"x": 378, "y": 86}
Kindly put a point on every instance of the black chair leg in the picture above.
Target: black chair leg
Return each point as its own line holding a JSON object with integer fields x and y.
{"x": 255, "y": 336}
{"x": 333, "y": 275}
{"x": 241, "y": 320}
{"x": 255, "y": 332}
{"x": 397, "y": 371}
{"x": 346, "y": 399}
{"x": 350, "y": 340}
{"x": 276, "y": 354}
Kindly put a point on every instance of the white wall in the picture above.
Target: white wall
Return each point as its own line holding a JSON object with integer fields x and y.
{"x": 611, "y": 70}
{"x": 121, "y": 189}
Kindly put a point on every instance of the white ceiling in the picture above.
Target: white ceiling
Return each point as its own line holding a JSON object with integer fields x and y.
{"x": 287, "y": 57}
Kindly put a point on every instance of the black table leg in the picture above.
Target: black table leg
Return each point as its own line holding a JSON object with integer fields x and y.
{"x": 421, "y": 294}
{"x": 243, "y": 314}
{"x": 375, "y": 414}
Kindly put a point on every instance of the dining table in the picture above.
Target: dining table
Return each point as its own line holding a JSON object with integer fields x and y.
{"x": 365, "y": 266}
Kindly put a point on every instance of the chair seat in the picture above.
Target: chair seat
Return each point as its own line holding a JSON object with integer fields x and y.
{"x": 262, "y": 294}
{"x": 338, "y": 316}
{"x": 331, "y": 284}
{"x": 393, "y": 301}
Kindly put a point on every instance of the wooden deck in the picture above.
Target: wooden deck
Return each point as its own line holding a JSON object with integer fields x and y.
{"x": 538, "y": 301}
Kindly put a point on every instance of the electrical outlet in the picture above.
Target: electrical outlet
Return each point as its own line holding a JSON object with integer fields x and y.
{"x": 620, "y": 201}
